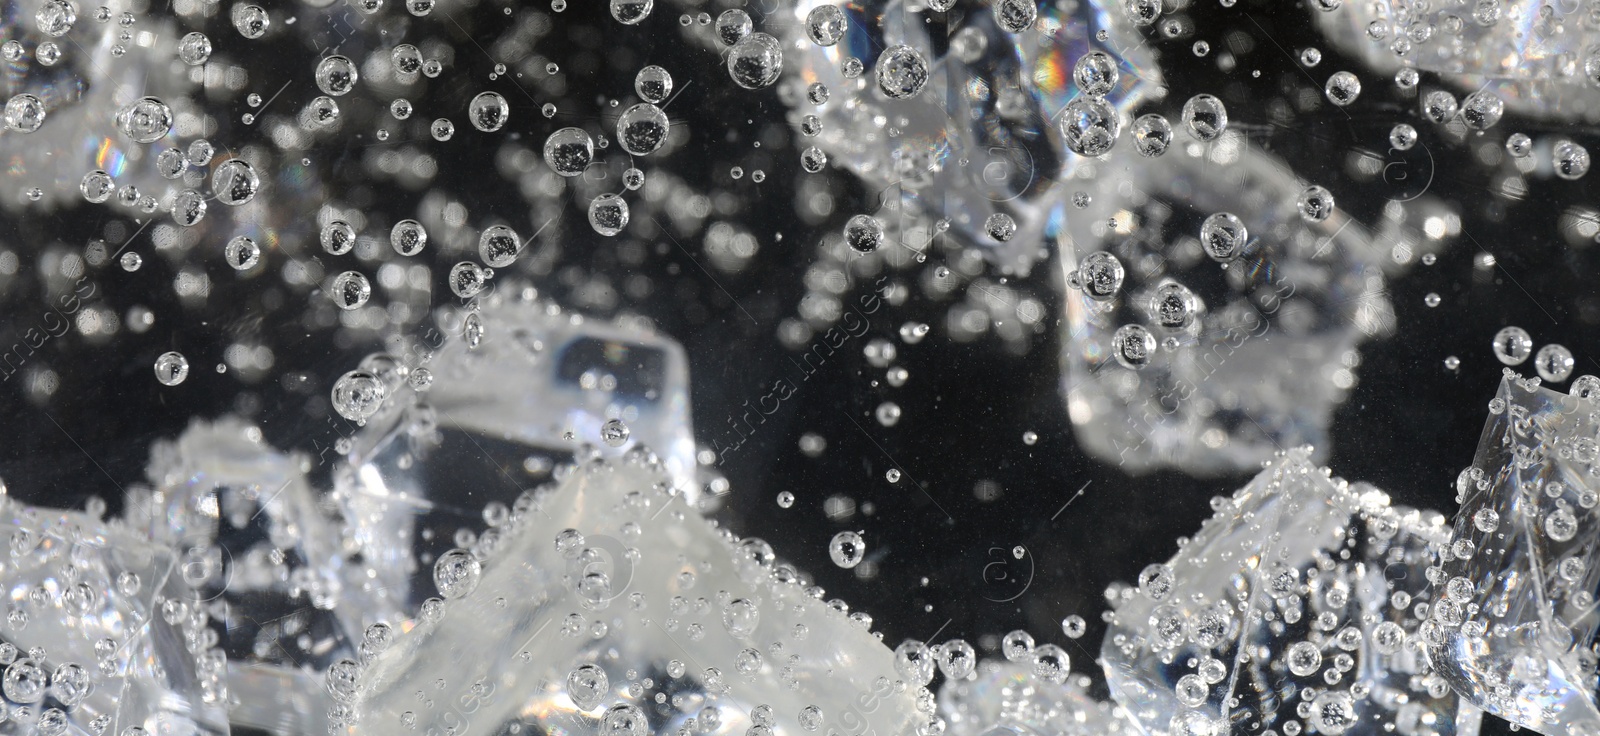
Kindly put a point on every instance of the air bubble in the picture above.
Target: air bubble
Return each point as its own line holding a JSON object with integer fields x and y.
{"x": 1205, "y": 117}
{"x": 901, "y": 72}
{"x": 756, "y": 61}
{"x": 336, "y": 75}
{"x": 847, "y": 549}
{"x": 825, "y": 25}
{"x": 408, "y": 237}
{"x": 1513, "y": 345}
{"x": 350, "y": 290}
{"x": 242, "y": 253}
{"x": 171, "y": 369}
{"x": 608, "y": 214}
{"x": 24, "y": 113}
{"x": 568, "y": 151}
{"x": 653, "y": 84}
{"x": 488, "y": 111}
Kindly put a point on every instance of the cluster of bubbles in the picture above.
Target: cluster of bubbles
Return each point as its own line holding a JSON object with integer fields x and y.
{"x": 1554, "y": 362}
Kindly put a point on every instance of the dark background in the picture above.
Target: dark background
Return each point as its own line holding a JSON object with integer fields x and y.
{"x": 1409, "y": 425}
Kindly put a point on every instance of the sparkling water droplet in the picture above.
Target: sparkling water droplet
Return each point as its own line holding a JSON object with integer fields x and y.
{"x": 756, "y": 61}
{"x": 1051, "y": 663}
{"x": 442, "y": 129}
{"x": 488, "y": 111}
{"x": 350, "y": 290}
{"x": 456, "y": 573}
{"x": 1133, "y": 346}
{"x": 242, "y": 253}
{"x": 1000, "y": 226}
{"x": 1303, "y": 658}
{"x": 914, "y": 661}
{"x": 1100, "y": 276}
{"x": 170, "y": 163}
{"x": 406, "y": 58}
{"x": 97, "y": 186}
{"x": 1173, "y": 306}
{"x": 1402, "y": 136}
{"x": 811, "y": 717}
{"x": 235, "y": 182}
{"x": 568, "y": 151}
{"x": 499, "y": 246}
{"x": 588, "y": 686}
{"x": 408, "y": 237}
{"x": 1152, "y": 135}
{"x": 1315, "y": 203}
{"x": 472, "y": 330}
{"x": 653, "y": 85}
{"x": 1089, "y": 126}
{"x": 614, "y": 433}
{"x": 55, "y": 17}
{"x": 1016, "y": 16}
{"x": 1439, "y": 106}
{"x": 146, "y": 120}
{"x": 1482, "y": 109}
{"x": 740, "y": 617}
{"x": 1519, "y": 145}
{"x": 250, "y": 20}
{"x": 1513, "y": 345}
{"x": 171, "y": 369}
{"x": 336, "y": 75}
{"x": 24, "y": 113}
{"x": 608, "y": 214}
{"x": 642, "y": 129}
{"x": 1095, "y": 73}
{"x": 825, "y": 25}
{"x": 1342, "y": 88}
{"x": 847, "y": 549}
{"x": 632, "y": 179}
{"x": 1205, "y": 117}
{"x": 1571, "y": 160}
{"x": 1223, "y": 236}
{"x": 1142, "y": 12}
{"x": 337, "y": 237}
{"x": 188, "y": 207}
{"x": 1017, "y": 646}
{"x": 631, "y": 12}
{"x": 467, "y": 279}
{"x": 1554, "y": 363}
{"x": 732, "y": 26}
{"x": 901, "y": 72}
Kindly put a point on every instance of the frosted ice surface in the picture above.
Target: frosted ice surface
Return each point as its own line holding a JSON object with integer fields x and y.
{"x": 1294, "y": 608}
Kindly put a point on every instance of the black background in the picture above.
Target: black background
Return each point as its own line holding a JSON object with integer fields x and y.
{"x": 1409, "y": 425}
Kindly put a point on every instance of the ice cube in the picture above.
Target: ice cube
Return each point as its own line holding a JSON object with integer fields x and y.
{"x": 1533, "y": 56}
{"x": 906, "y": 150}
{"x": 99, "y": 635}
{"x": 440, "y": 462}
{"x": 262, "y": 557}
{"x": 1263, "y": 348}
{"x": 1517, "y": 632}
{"x": 1007, "y": 699}
{"x": 606, "y": 604}
{"x": 1295, "y": 608}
